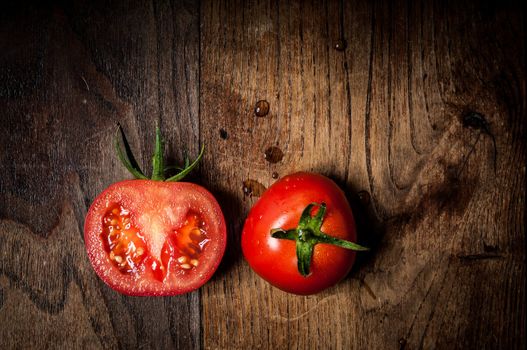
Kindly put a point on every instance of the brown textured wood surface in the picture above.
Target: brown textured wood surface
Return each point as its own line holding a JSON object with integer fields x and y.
{"x": 421, "y": 119}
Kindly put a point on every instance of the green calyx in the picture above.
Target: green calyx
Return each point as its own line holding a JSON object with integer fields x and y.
{"x": 308, "y": 234}
{"x": 159, "y": 168}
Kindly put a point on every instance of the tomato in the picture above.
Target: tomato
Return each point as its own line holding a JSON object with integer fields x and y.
{"x": 154, "y": 237}
{"x": 299, "y": 235}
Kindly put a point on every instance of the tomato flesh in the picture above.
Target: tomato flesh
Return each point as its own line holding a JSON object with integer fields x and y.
{"x": 154, "y": 238}
{"x": 127, "y": 249}
{"x": 183, "y": 249}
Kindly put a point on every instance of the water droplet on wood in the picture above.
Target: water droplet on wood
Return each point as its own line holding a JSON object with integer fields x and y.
{"x": 262, "y": 108}
{"x": 273, "y": 154}
{"x": 340, "y": 45}
{"x": 275, "y": 175}
{"x": 253, "y": 188}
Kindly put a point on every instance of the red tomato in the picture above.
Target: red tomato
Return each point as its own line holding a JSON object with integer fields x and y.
{"x": 146, "y": 237}
{"x": 154, "y": 238}
{"x": 281, "y": 207}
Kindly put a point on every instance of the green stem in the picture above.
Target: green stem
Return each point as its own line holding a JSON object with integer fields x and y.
{"x": 304, "y": 251}
{"x": 158, "y": 164}
{"x": 157, "y": 159}
{"x": 323, "y": 238}
{"x": 308, "y": 234}
{"x": 188, "y": 168}
{"x": 127, "y": 159}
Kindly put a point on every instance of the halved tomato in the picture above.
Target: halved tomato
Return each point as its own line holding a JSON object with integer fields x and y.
{"x": 151, "y": 237}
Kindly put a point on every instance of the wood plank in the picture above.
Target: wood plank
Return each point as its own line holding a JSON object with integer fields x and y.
{"x": 424, "y": 110}
{"x": 69, "y": 74}
{"x": 421, "y": 119}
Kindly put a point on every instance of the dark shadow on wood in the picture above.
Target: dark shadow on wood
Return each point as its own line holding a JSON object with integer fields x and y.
{"x": 370, "y": 229}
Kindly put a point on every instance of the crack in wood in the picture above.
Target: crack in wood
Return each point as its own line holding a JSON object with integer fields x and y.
{"x": 480, "y": 256}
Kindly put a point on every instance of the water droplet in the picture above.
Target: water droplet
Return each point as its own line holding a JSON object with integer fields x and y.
{"x": 275, "y": 175}
{"x": 364, "y": 197}
{"x": 273, "y": 154}
{"x": 246, "y": 190}
{"x": 340, "y": 45}
{"x": 253, "y": 188}
{"x": 223, "y": 134}
{"x": 262, "y": 108}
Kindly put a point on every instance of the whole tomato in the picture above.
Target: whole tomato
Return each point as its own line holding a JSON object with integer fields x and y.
{"x": 299, "y": 235}
{"x": 154, "y": 236}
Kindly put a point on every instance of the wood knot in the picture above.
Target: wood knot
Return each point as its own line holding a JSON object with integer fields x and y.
{"x": 475, "y": 120}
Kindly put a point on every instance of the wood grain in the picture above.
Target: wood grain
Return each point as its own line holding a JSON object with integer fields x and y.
{"x": 385, "y": 116}
{"x": 70, "y": 75}
{"x": 421, "y": 119}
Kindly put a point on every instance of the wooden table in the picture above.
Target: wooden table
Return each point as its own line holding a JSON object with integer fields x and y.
{"x": 417, "y": 109}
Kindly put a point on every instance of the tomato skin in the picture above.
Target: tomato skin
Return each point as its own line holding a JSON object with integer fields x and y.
{"x": 281, "y": 207}
{"x": 165, "y": 204}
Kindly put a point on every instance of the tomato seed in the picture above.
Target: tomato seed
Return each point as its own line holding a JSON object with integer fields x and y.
{"x": 195, "y": 234}
{"x": 190, "y": 239}
{"x": 125, "y": 247}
